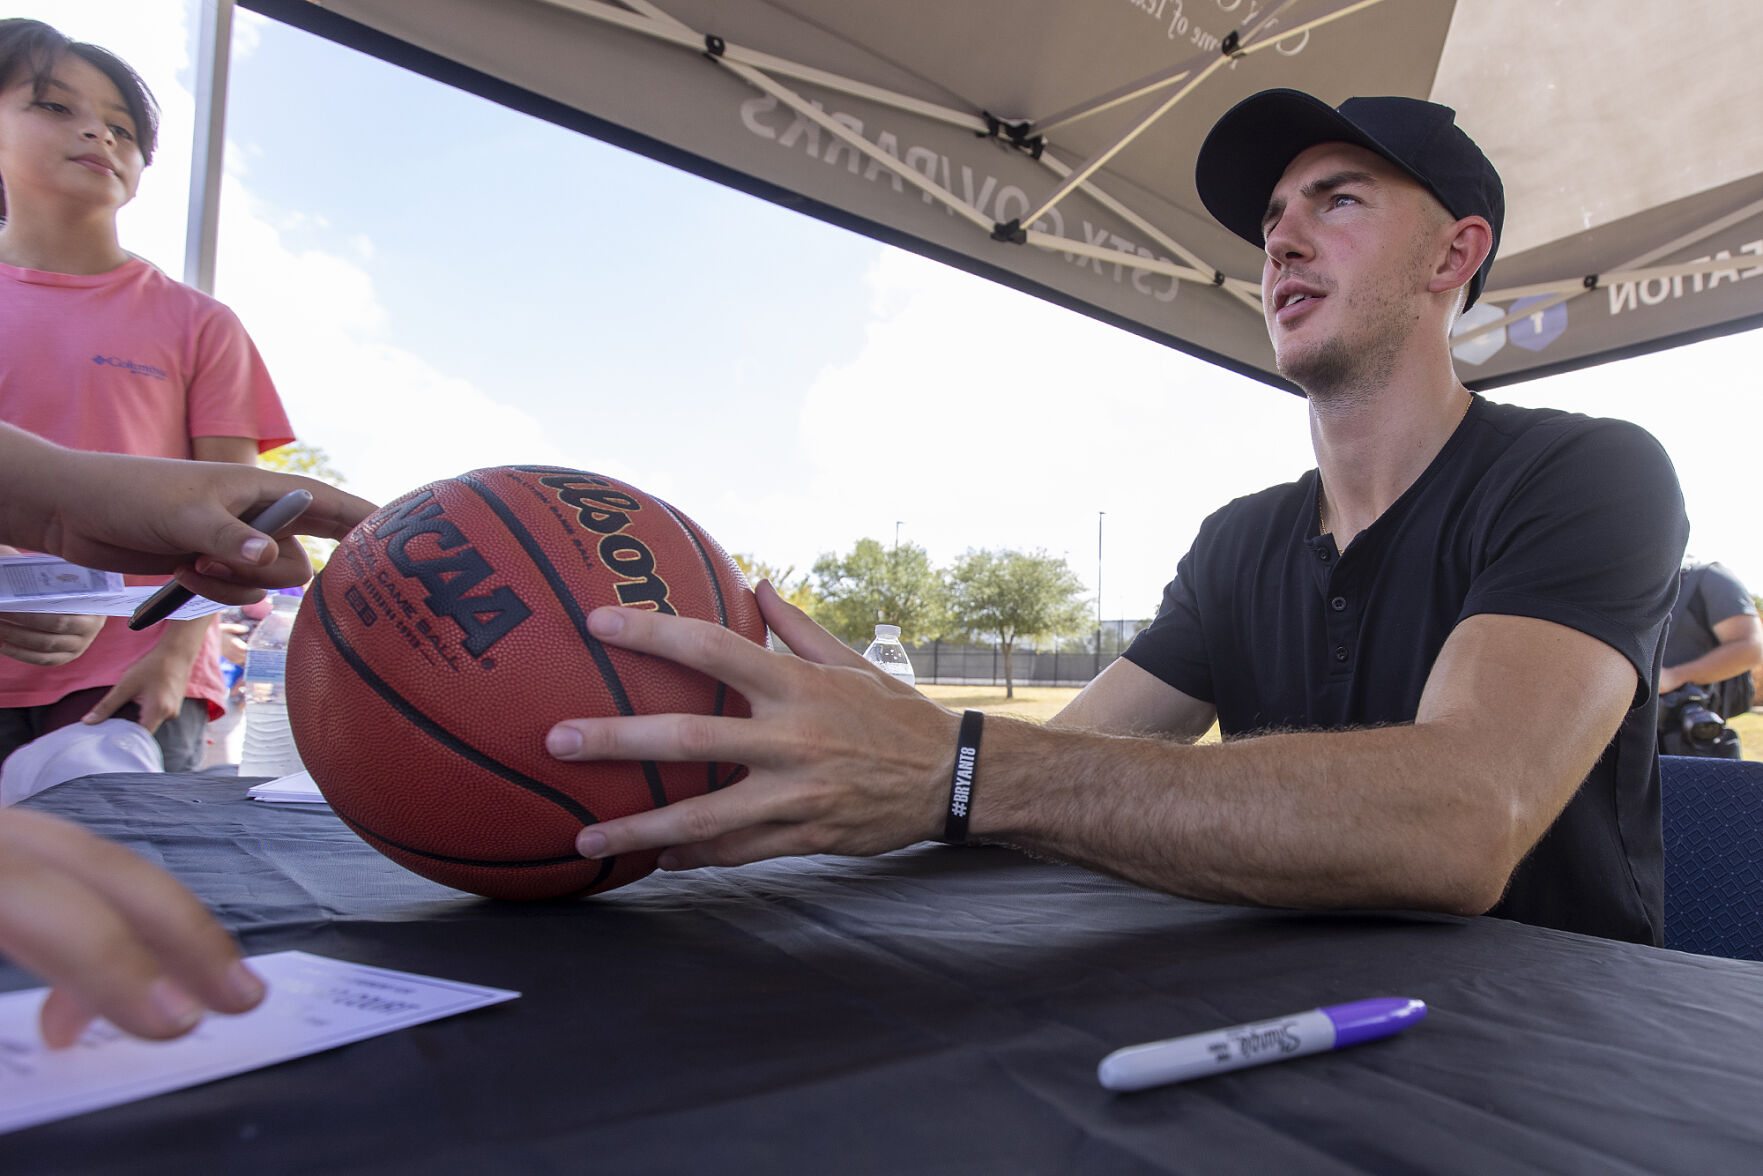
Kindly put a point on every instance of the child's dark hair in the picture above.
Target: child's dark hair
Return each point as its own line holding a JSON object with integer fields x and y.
{"x": 32, "y": 48}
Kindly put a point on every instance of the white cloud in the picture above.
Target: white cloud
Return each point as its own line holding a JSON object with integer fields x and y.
{"x": 388, "y": 419}
{"x": 982, "y": 417}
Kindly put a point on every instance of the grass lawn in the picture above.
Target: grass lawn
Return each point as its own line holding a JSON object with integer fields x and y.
{"x": 1750, "y": 730}
{"x": 1036, "y": 703}
{"x": 1040, "y": 703}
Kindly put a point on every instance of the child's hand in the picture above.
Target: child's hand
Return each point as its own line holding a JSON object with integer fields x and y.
{"x": 232, "y": 642}
{"x": 47, "y": 639}
{"x": 158, "y": 680}
{"x": 113, "y": 935}
{"x": 153, "y": 515}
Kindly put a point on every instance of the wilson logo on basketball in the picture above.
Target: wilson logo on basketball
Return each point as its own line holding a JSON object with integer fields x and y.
{"x": 606, "y": 511}
{"x": 451, "y": 573}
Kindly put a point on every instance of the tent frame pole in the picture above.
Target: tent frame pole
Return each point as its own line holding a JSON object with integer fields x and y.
{"x": 646, "y": 18}
{"x": 1567, "y": 289}
{"x": 202, "y": 223}
{"x": 1232, "y": 48}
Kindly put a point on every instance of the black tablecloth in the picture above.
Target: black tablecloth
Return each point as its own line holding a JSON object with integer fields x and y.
{"x": 934, "y": 1010}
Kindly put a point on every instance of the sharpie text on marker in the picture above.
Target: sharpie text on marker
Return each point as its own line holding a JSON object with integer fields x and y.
{"x": 1178, "y": 1059}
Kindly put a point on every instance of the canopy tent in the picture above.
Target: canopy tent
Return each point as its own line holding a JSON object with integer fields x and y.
{"x": 1050, "y": 144}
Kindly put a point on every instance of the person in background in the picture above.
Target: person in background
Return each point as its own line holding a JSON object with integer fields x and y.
{"x": 1714, "y": 644}
{"x": 101, "y": 351}
{"x": 226, "y": 735}
{"x": 112, "y": 934}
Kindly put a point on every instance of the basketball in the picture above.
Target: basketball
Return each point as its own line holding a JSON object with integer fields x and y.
{"x": 446, "y": 636}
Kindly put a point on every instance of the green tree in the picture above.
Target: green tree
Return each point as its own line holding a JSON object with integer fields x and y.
{"x": 1016, "y": 596}
{"x": 799, "y": 592}
{"x": 872, "y": 583}
{"x": 312, "y": 462}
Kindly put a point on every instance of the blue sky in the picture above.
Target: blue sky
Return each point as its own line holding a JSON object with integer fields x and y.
{"x": 439, "y": 284}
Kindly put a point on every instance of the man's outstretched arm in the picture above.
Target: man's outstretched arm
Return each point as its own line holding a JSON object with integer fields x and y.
{"x": 1432, "y": 815}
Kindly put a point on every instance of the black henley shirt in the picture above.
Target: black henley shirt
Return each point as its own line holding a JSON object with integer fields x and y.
{"x": 1524, "y": 512}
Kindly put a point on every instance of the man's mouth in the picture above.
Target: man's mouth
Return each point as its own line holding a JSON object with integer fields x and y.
{"x": 1291, "y": 303}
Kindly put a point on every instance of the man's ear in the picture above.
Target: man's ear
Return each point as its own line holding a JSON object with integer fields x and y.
{"x": 1466, "y": 247}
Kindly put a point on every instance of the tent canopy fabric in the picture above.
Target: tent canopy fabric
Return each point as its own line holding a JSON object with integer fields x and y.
{"x": 1050, "y": 145}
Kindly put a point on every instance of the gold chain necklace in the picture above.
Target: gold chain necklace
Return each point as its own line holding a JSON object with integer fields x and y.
{"x": 1322, "y": 521}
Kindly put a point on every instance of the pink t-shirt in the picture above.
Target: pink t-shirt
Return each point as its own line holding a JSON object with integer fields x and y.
{"x": 127, "y": 361}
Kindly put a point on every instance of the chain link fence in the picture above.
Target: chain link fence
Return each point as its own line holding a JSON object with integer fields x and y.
{"x": 1070, "y": 664}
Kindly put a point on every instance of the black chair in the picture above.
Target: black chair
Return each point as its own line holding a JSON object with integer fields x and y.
{"x": 1713, "y": 811}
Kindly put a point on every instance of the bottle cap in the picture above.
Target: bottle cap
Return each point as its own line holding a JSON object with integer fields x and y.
{"x": 888, "y": 631}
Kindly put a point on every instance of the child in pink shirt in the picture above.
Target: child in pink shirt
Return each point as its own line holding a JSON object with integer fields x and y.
{"x": 100, "y": 351}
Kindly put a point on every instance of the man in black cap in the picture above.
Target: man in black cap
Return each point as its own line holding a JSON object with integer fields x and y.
{"x": 1432, "y": 657}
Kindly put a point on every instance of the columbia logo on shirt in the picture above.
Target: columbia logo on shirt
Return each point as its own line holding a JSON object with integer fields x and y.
{"x": 130, "y": 366}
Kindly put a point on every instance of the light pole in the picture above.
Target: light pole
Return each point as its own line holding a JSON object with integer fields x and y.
{"x": 1099, "y": 515}
{"x": 893, "y": 565}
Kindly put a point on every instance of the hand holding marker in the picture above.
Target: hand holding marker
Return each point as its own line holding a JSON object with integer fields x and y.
{"x": 174, "y": 596}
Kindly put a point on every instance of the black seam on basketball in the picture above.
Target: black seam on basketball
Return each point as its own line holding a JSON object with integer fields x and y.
{"x": 559, "y": 589}
{"x": 571, "y": 606}
{"x": 363, "y": 831}
{"x": 438, "y": 733}
{"x": 711, "y": 784}
{"x": 709, "y": 566}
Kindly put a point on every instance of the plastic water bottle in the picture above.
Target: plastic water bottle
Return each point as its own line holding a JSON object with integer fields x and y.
{"x": 887, "y": 652}
{"x": 269, "y": 742}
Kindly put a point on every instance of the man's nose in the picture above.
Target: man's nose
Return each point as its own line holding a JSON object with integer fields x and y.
{"x": 1286, "y": 240}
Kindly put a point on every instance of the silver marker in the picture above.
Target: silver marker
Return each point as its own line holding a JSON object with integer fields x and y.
{"x": 174, "y": 595}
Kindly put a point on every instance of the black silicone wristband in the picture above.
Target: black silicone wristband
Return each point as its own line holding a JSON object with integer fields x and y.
{"x": 961, "y": 781}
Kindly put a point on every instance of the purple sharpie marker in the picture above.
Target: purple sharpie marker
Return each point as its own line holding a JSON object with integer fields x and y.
{"x": 1180, "y": 1058}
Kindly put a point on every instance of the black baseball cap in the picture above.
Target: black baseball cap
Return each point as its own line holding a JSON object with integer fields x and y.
{"x": 1248, "y": 150}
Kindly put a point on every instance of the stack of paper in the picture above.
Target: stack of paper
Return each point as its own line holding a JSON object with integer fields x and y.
{"x": 296, "y": 789}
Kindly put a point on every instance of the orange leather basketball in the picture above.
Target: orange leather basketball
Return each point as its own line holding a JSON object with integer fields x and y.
{"x": 448, "y": 633}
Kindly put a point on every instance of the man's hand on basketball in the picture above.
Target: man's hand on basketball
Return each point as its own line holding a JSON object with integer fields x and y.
{"x": 840, "y": 757}
{"x": 114, "y": 935}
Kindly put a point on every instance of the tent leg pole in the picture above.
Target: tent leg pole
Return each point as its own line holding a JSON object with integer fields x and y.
{"x": 213, "y": 57}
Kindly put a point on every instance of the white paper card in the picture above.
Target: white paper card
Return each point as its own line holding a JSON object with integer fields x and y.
{"x": 299, "y": 788}
{"x": 314, "y": 1004}
{"x": 44, "y": 584}
{"x": 26, "y": 576}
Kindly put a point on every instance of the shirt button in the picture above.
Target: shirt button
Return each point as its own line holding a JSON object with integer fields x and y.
{"x": 1340, "y": 653}
{"x": 1322, "y": 555}
{"x": 1338, "y": 603}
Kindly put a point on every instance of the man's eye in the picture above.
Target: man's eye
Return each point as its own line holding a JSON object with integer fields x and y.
{"x": 123, "y": 132}
{"x": 53, "y": 107}
{"x": 1340, "y": 198}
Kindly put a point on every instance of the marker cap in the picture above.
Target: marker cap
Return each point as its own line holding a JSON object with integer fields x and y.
{"x": 1368, "y": 1020}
